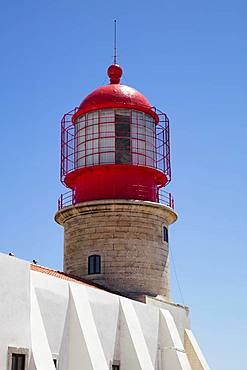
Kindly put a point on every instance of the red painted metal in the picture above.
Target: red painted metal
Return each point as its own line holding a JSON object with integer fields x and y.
{"x": 115, "y": 96}
{"x": 115, "y": 73}
{"x": 115, "y": 181}
{"x": 104, "y": 181}
{"x": 86, "y": 171}
{"x": 164, "y": 197}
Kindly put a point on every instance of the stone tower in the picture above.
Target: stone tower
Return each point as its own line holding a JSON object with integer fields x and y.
{"x": 116, "y": 161}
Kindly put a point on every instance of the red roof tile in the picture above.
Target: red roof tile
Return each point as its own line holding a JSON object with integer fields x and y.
{"x": 62, "y": 275}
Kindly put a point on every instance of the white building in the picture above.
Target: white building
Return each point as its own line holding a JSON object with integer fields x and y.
{"x": 46, "y": 315}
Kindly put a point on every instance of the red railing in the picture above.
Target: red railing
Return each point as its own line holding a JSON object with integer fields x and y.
{"x": 81, "y": 144}
{"x": 164, "y": 197}
{"x": 66, "y": 199}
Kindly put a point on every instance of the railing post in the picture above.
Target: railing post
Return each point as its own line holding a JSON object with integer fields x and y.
{"x": 170, "y": 200}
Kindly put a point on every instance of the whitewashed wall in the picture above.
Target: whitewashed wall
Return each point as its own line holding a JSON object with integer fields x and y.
{"x": 88, "y": 328}
{"x": 14, "y": 305}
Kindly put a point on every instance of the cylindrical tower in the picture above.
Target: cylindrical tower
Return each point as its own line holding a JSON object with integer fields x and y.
{"x": 115, "y": 158}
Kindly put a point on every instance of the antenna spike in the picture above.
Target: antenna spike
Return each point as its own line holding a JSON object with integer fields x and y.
{"x": 115, "y": 42}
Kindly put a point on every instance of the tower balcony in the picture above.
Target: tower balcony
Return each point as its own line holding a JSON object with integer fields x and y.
{"x": 164, "y": 197}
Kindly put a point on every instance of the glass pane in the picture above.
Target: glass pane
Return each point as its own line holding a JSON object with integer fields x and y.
{"x": 81, "y": 136}
{"x": 91, "y": 265}
{"x": 140, "y": 119}
{"x": 107, "y": 144}
{"x": 80, "y": 163}
{"x": 14, "y": 363}
{"x": 96, "y": 158}
{"x": 123, "y": 112}
{"x": 92, "y": 152}
{"x": 97, "y": 264}
{"x": 165, "y": 234}
{"x": 80, "y": 132}
{"x": 107, "y": 158}
{"x": 149, "y": 122}
{"x": 107, "y": 150}
{"x": 150, "y": 139}
{"x": 92, "y": 145}
{"x": 150, "y": 135}
{"x": 123, "y": 145}
{"x": 107, "y": 115}
{"x": 134, "y": 117}
{"x": 138, "y": 159}
{"x": 123, "y": 151}
{"x": 80, "y": 154}
{"x": 149, "y": 162}
{"x": 134, "y": 131}
{"x": 92, "y": 160}
{"x": 18, "y": 362}
{"x": 141, "y": 147}
{"x": 89, "y": 133}
{"x": 92, "y": 126}
{"x": 80, "y": 122}
{"x": 92, "y": 118}
{"x": 150, "y": 158}
{"x": 107, "y": 130}
{"x": 141, "y": 159}
{"x": 94, "y": 264}
{"x": 134, "y": 146}
{"x": 123, "y": 129}
{"x": 141, "y": 133}
{"x": 134, "y": 158}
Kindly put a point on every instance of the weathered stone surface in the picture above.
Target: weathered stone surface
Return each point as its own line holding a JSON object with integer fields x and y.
{"x": 128, "y": 237}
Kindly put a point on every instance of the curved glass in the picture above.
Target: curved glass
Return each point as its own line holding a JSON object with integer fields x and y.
{"x": 115, "y": 136}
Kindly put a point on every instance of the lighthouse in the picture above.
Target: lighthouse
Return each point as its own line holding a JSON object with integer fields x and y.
{"x": 110, "y": 309}
{"x": 115, "y": 159}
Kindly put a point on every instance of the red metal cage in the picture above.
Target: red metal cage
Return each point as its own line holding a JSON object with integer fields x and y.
{"x": 149, "y": 150}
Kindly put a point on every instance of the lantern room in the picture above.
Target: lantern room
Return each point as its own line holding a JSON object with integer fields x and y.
{"x": 115, "y": 145}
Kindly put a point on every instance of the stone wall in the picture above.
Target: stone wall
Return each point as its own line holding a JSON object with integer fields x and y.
{"x": 128, "y": 237}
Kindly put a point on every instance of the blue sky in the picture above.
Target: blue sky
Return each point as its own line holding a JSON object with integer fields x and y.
{"x": 189, "y": 59}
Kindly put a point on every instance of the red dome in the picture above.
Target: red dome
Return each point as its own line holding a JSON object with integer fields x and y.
{"x": 115, "y": 95}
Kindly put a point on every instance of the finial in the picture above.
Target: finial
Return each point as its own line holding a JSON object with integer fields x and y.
{"x": 114, "y": 72}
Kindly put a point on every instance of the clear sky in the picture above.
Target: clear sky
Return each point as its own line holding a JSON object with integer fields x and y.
{"x": 189, "y": 59}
